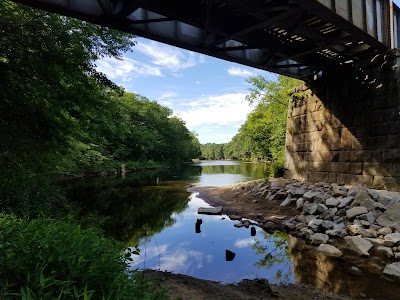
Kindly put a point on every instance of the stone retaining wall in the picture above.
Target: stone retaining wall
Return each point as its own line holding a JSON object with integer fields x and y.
{"x": 350, "y": 132}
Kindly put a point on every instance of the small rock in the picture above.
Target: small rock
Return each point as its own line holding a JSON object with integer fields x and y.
{"x": 299, "y": 192}
{"x": 327, "y": 224}
{"x": 336, "y": 232}
{"x": 321, "y": 198}
{"x": 310, "y": 208}
{"x": 306, "y": 232}
{"x": 355, "y": 271}
{"x": 310, "y": 195}
{"x": 246, "y": 223}
{"x": 319, "y": 238}
{"x": 281, "y": 195}
{"x": 367, "y": 217}
{"x": 238, "y": 225}
{"x": 329, "y": 250}
{"x": 393, "y": 237}
{"x": 332, "y": 202}
{"x": 343, "y": 202}
{"x": 330, "y": 213}
{"x": 356, "y": 211}
{"x": 269, "y": 226}
{"x": 397, "y": 255}
{"x": 210, "y": 210}
{"x": 337, "y": 192}
{"x": 373, "y": 193}
{"x": 353, "y": 229}
{"x": 287, "y": 201}
{"x": 235, "y": 217}
{"x": 361, "y": 196}
{"x": 280, "y": 217}
{"x": 358, "y": 245}
{"x": 321, "y": 208}
{"x": 393, "y": 270}
{"x": 300, "y": 203}
{"x": 314, "y": 224}
{"x": 365, "y": 223}
{"x": 385, "y": 230}
{"x": 308, "y": 218}
{"x": 388, "y": 252}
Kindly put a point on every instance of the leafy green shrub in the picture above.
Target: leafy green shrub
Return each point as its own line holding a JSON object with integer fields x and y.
{"x": 48, "y": 259}
{"x": 277, "y": 168}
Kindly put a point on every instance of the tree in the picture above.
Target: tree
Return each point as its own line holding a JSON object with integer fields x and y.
{"x": 49, "y": 88}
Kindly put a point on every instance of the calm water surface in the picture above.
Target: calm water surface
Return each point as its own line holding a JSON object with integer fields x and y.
{"x": 154, "y": 212}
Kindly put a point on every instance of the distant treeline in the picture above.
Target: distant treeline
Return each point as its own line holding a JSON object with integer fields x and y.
{"x": 262, "y": 136}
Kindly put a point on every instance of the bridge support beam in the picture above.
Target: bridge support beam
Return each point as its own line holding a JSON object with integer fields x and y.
{"x": 345, "y": 128}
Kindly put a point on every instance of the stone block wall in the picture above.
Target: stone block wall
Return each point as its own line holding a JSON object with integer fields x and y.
{"x": 347, "y": 130}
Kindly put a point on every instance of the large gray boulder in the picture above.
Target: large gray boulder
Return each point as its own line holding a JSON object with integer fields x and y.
{"x": 393, "y": 270}
{"x": 358, "y": 245}
{"x": 319, "y": 238}
{"x": 356, "y": 211}
{"x": 391, "y": 217}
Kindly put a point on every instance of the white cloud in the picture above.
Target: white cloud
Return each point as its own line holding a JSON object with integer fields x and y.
{"x": 236, "y": 71}
{"x": 181, "y": 261}
{"x": 243, "y": 243}
{"x": 124, "y": 70}
{"x": 167, "y": 95}
{"x": 169, "y": 57}
{"x": 215, "y": 110}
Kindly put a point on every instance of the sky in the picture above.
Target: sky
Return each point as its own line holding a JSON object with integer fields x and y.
{"x": 206, "y": 92}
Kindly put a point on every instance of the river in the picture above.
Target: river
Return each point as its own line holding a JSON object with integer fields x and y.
{"x": 153, "y": 212}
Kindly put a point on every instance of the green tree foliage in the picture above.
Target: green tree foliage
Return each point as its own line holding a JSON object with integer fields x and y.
{"x": 212, "y": 151}
{"x": 263, "y": 134}
{"x": 49, "y": 86}
{"x": 57, "y": 113}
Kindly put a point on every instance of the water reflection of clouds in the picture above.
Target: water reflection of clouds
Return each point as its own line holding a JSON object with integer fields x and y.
{"x": 148, "y": 254}
{"x": 243, "y": 243}
{"x": 181, "y": 261}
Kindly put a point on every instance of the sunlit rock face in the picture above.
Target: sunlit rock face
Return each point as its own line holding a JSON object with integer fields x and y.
{"x": 345, "y": 275}
{"x": 344, "y": 131}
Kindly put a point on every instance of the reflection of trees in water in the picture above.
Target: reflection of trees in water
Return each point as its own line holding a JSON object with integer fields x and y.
{"x": 253, "y": 170}
{"x": 136, "y": 205}
{"x": 275, "y": 249}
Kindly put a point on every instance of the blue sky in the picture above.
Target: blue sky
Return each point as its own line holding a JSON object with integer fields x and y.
{"x": 206, "y": 92}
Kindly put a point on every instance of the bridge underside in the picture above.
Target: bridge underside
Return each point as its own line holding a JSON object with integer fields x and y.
{"x": 297, "y": 38}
